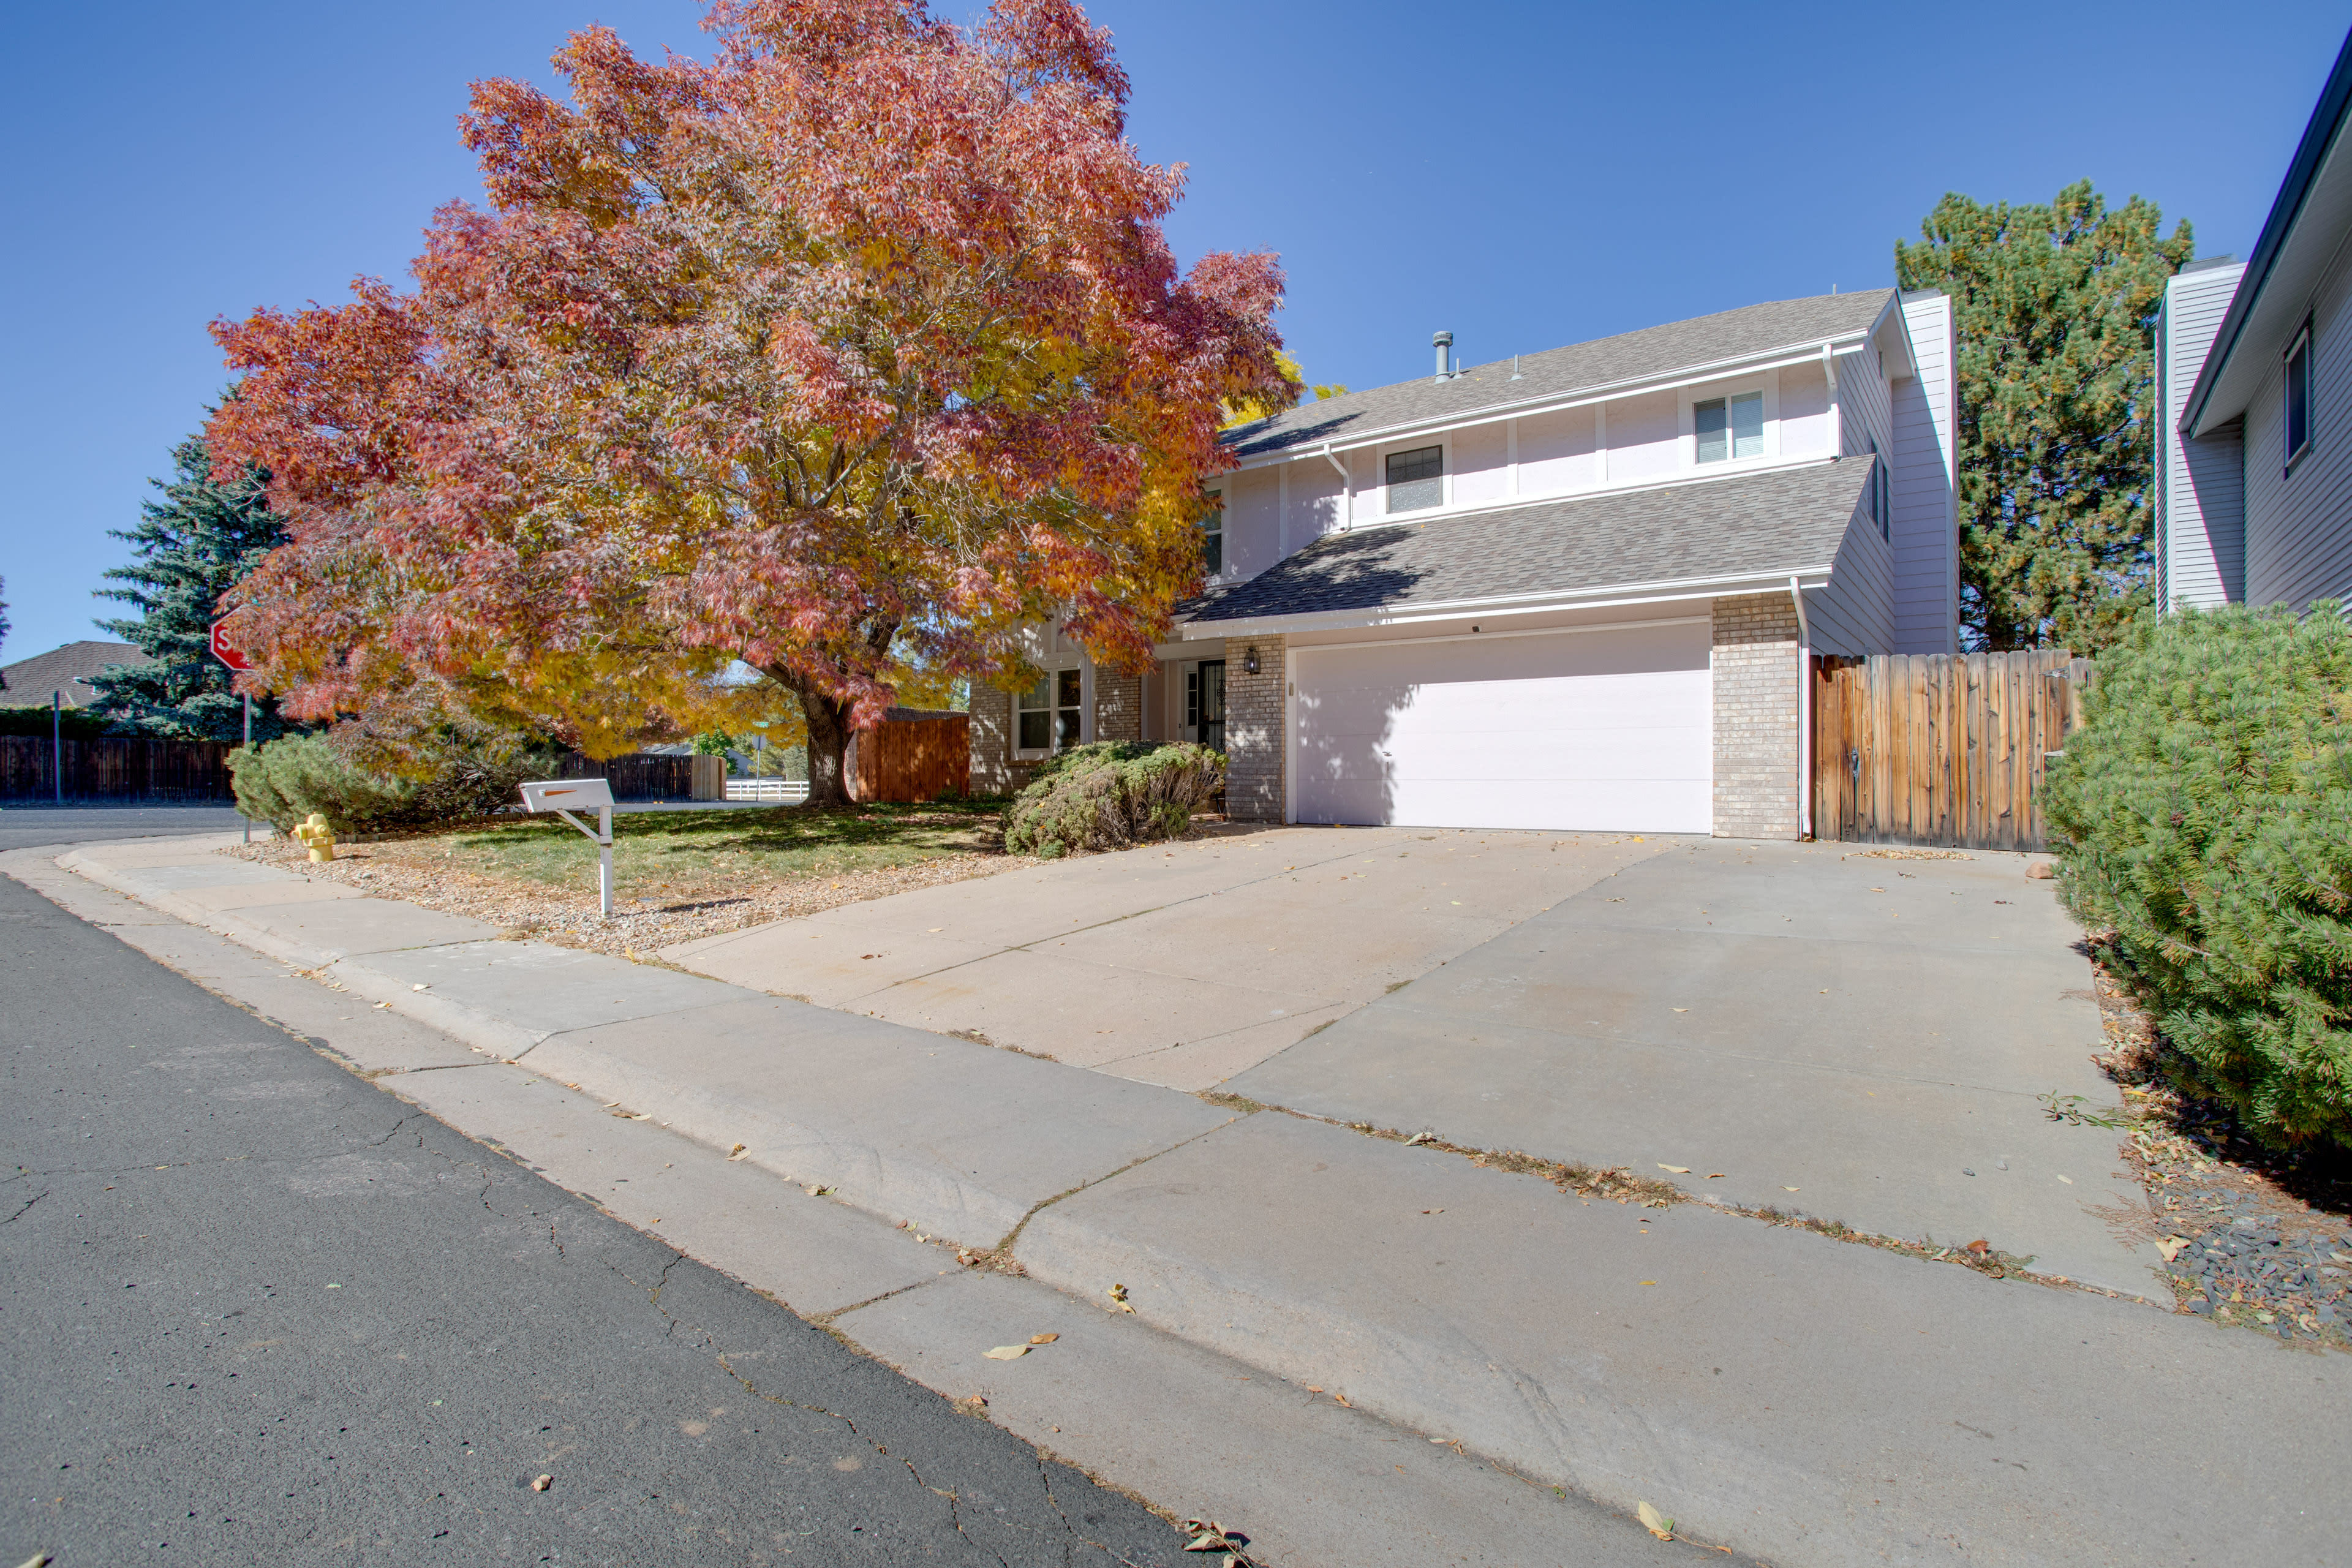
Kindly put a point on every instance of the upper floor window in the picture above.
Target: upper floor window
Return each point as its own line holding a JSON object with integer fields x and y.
{"x": 1212, "y": 536}
{"x": 1417, "y": 479}
{"x": 1729, "y": 426}
{"x": 2298, "y": 396}
{"x": 1882, "y": 493}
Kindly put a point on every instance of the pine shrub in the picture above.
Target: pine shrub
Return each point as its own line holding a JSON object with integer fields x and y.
{"x": 2204, "y": 813}
{"x": 1111, "y": 795}
{"x": 452, "y": 779}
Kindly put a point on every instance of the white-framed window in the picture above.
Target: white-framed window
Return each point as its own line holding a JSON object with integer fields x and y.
{"x": 1882, "y": 493}
{"x": 2298, "y": 396}
{"x": 1212, "y": 536}
{"x": 1053, "y": 713}
{"x": 1727, "y": 427}
{"x": 1416, "y": 478}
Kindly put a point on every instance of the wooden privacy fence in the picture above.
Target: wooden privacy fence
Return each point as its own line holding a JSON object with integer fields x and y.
{"x": 911, "y": 755}
{"x": 640, "y": 777}
{"x": 1940, "y": 749}
{"x": 105, "y": 769}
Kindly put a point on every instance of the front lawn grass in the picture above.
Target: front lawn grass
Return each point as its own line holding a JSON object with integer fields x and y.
{"x": 683, "y": 851}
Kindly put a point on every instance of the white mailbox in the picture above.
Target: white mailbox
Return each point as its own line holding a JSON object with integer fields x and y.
{"x": 564, "y": 797}
{"x": 567, "y": 795}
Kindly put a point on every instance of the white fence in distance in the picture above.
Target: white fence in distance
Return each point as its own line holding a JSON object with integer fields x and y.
{"x": 788, "y": 791}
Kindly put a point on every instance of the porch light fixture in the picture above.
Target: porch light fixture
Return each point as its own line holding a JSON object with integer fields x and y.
{"x": 1249, "y": 661}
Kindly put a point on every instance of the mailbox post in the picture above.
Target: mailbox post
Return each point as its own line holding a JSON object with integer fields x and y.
{"x": 563, "y": 796}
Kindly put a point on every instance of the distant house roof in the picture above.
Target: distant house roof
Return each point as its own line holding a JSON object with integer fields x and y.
{"x": 1781, "y": 521}
{"x": 1604, "y": 362}
{"x": 64, "y": 670}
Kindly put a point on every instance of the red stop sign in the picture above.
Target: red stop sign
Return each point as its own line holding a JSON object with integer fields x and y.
{"x": 225, "y": 651}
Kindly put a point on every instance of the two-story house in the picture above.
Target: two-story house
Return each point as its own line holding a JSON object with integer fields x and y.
{"x": 1575, "y": 589}
{"x": 2254, "y": 437}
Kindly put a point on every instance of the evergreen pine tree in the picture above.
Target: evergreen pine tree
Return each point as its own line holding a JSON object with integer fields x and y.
{"x": 2055, "y": 307}
{"x": 191, "y": 547}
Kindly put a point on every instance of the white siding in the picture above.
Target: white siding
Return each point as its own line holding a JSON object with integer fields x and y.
{"x": 1252, "y": 521}
{"x": 1477, "y": 455}
{"x": 1854, "y": 613}
{"x": 1927, "y": 555}
{"x": 1805, "y": 412}
{"x": 1556, "y": 452}
{"x": 1862, "y": 406}
{"x": 1644, "y": 438}
{"x": 2298, "y": 528}
{"x": 2200, "y": 498}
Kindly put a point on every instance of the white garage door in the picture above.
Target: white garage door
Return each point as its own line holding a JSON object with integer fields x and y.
{"x": 1601, "y": 729}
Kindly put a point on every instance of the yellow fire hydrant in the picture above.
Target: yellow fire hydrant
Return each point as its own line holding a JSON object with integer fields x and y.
{"x": 314, "y": 832}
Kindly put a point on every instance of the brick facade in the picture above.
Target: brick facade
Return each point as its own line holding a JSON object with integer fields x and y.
{"x": 1756, "y": 717}
{"x": 1256, "y": 724}
{"x": 1118, "y": 706}
{"x": 991, "y": 740}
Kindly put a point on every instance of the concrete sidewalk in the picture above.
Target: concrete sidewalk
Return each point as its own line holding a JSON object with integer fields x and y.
{"x": 1804, "y": 1400}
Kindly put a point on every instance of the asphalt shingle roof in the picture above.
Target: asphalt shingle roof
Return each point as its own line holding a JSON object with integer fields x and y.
{"x": 1653, "y": 350}
{"x": 67, "y": 669}
{"x": 1783, "y": 519}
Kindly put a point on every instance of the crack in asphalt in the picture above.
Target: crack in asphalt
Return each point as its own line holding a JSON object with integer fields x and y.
{"x": 27, "y": 1204}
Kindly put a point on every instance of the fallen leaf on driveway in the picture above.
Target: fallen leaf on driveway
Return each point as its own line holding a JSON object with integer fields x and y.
{"x": 738, "y": 1152}
{"x": 1682, "y": 1009}
{"x": 1788, "y": 1189}
{"x": 1878, "y": 889}
{"x": 1007, "y": 1353}
{"x": 1118, "y": 1293}
{"x": 420, "y": 985}
{"x": 541, "y": 1483}
{"x": 1649, "y": 1282}
{"x": 1654, "y": 1521}
{"x": 1979, "y": 1247}
{"x": 1043, "y": 1339}
{"x": 1717, "y": 1175}
{"x": 934, "y": 931}
{"x": 1677, "y": 1170}
{"x": 1418, "y": 1137}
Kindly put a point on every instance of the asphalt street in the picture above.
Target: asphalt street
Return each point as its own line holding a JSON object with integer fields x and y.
{"x": 257, "y": 1311}
{"x": 24, "y": 827}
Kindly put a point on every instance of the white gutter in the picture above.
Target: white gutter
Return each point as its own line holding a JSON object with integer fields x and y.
{"x": 1612, "y": 596}
{"x": 1583, "y": 396}
{"x": 1804, "y": 712}
{"x": 1347, "y": 489}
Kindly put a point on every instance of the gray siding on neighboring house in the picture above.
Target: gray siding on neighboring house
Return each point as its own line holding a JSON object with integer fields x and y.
{"x": 2298, "y": 530}
{"x": 1926, "y": 554}
{"x": 1854, "y": 613}
{"x": 2200, "y": 497}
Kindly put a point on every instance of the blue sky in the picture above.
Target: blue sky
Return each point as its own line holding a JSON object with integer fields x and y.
{"x": 1525, "y": 175}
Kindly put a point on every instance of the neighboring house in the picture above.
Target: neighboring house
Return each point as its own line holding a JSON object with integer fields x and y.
{"x": 2255, "y": 470}
{"x": 1571, "y": 591}
{"x": 64, "y": 670}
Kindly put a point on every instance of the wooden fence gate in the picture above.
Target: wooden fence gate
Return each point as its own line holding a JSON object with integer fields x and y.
{"x": 1940, "y": 749}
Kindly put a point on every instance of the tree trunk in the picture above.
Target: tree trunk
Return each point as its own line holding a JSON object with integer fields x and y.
{"x": 828, "y": 739}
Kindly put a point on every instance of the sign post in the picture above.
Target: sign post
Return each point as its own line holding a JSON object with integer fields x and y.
{"x": 563, "y": 796}
{"x": 226, "y": 652}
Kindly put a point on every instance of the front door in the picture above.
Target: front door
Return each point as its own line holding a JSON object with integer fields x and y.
{"x": 1204, "y": 703}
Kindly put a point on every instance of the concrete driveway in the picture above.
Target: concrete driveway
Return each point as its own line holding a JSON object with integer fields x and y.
{"x": 1802, "y": 1026}
{"x": 1806, "y": 1027}
{"x": 1178, "y": 965}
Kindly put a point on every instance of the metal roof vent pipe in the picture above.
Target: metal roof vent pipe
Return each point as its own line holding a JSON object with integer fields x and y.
{"x": 1443, "y": 343}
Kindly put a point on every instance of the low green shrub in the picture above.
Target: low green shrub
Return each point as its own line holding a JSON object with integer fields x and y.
{"x": 283, "y": 781}
{"x": 1111, "y": 795}
{"x": 73, "y": 723}
{"x": 2204, "y": 811}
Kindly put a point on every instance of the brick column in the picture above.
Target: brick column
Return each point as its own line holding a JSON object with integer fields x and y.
{"x": 1256, "y": 725}
{"x": 1756, "y": 717}
{"x": 991, "y": 740}
{"x": 1118, "y": 706}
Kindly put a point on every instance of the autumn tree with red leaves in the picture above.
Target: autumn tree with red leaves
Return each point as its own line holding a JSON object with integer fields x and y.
{"x": 856, "y": 349}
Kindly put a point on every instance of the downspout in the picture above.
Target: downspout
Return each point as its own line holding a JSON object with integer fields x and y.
{"x": 1804, "y": 713}
{"x": 1347, "y": 489}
